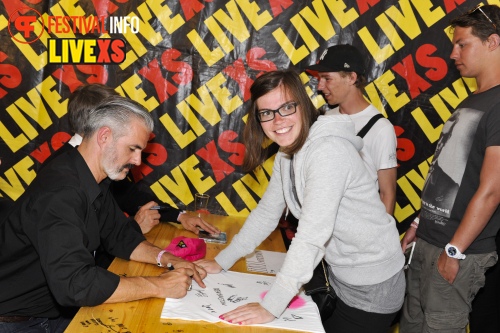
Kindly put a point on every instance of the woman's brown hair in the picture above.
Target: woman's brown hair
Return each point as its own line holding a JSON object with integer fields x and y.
{"x": 253, "y": 135}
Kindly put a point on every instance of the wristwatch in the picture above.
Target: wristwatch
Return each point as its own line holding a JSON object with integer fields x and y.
{"x": 453, "y": 252}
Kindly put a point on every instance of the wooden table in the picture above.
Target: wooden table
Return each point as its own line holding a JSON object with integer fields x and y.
{"x": 144, "y": 315}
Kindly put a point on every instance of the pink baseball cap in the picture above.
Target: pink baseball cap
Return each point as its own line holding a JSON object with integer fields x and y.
{"x": 190, "y": 249}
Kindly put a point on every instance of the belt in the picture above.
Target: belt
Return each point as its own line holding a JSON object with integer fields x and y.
{"x": 13, "y": 319}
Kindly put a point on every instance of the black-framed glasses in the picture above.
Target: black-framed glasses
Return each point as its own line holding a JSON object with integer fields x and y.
{"x": 478, "y": 8}
{"x": 284, "y": 111}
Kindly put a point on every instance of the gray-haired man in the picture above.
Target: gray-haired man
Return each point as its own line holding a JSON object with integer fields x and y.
{"x": 48, "y": 240}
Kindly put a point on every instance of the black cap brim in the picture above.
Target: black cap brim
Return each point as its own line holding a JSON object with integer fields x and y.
{"x": 319, "y": 68}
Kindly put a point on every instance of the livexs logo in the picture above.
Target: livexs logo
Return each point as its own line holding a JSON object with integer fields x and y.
{"x": 86, "y": 51}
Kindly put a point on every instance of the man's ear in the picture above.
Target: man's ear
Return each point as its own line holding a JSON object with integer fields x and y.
{"x": 104, "y": 135}
{"x": 353, "y": 76}
{"x": 494, "y": 41}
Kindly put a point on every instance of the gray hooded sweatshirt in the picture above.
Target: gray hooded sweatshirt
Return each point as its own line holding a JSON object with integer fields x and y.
{"x": 341, "y": 216}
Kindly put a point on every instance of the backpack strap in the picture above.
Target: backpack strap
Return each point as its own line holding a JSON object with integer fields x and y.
{"x": 369, "y": 125}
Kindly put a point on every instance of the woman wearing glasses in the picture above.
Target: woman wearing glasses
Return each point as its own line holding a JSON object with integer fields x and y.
{"x": 320, "y": 176}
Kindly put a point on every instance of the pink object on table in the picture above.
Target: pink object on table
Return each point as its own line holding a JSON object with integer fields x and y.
{"x": 190, "y": 249}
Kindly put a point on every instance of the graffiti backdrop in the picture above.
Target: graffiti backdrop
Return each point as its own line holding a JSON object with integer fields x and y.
{"x": 191, "y": 63}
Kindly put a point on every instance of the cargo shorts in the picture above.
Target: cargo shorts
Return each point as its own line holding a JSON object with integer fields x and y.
{"x": 432, "y": 304}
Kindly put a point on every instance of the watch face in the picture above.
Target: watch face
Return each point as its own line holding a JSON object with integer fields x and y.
{"x": 452, "y": 251}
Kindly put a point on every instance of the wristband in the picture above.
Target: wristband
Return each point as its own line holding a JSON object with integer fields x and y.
{"x": 158, "y": 258}
{"x": 414, "y": 225}
{"x": 178, "y": 216}
{"x": 158, "y": 261}
{"x": 416, "y": 220}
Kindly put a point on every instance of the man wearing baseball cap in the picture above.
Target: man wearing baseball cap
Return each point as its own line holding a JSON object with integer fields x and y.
{"x": 341, "y": 80}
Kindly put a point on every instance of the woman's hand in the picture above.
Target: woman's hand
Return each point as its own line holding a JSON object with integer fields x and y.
{"x": 211, "y": 266}
{"x": 251, "y": 313}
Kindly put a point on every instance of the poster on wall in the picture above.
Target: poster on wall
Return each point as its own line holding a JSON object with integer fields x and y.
{"x": 191, "y": 63}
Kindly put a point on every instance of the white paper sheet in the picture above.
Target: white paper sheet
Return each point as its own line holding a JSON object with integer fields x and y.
{"x": 228, "y": 290}
{"x": 261, "y": 261}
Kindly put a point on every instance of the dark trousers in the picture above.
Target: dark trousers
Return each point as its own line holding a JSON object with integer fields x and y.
{"x": 485, "y": 315}
{"x": 36, "y": 325}
{"x": 346, "y": 319}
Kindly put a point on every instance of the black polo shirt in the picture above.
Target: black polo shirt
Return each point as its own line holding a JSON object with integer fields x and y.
{"x": 47, "y": 242}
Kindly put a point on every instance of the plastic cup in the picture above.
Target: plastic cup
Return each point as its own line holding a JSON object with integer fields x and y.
{"x": 201, "y": 203}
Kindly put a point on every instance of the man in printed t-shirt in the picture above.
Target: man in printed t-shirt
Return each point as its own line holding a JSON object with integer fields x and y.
{"x": 459, "y": 218}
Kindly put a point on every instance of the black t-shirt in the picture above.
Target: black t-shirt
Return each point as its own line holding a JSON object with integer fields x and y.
{"x": 453, "y": 177}
{"x": 47, "y": 242}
